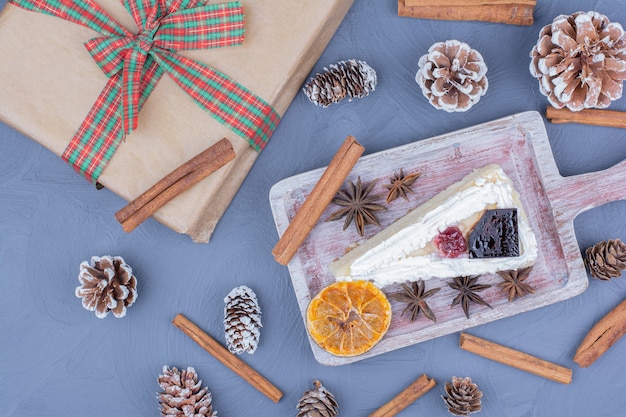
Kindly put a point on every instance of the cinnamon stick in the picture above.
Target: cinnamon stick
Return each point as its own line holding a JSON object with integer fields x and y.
{"x": 319, "y": 198}
{"x": 602, "y": 336}
{"x": 515, "y": 358}
{"x": 177, "y": 181}
{"x": 516, "y": 12}
{"x": 468, "y": 2}
{"x": 594, "y": 117}
{"x": 419, "y": 387}
{"x": 225, "y": 357}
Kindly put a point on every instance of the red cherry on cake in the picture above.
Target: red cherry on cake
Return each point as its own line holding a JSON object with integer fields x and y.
{"x": 451, "y": 242}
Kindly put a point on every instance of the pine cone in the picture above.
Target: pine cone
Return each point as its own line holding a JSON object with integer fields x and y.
{"x": 350, "y": 78}
{"x": 242, "y": 320}
{"x": 580, "y": 61}
{"x": 183, "y": 394}
{"x": 463, "y": 396}
{"x": 452, "y": 76}
{"x": 107, "y": 284}
{"x": 606, "y": 260}
{"x": 317, "y": 402}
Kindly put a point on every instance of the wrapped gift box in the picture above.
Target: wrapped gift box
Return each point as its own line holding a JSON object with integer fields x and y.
{"x": 49, "y": 82}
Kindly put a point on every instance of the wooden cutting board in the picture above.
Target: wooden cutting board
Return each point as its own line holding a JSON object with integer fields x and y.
{"x": 519, "y": 144}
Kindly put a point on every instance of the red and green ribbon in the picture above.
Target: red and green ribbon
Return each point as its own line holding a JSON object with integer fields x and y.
{"x": 135, "y": 63}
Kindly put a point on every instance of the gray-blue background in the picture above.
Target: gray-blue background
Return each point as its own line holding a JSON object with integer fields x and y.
{"x": 58, "y": 359}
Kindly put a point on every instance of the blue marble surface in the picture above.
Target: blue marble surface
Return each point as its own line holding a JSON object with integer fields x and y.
{"x": 57, "y": 359}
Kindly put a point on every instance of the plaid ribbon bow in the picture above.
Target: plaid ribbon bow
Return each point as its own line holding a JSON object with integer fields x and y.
{"x": 135, "y": 63}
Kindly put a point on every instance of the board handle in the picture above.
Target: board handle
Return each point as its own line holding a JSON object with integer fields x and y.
{"x": 575, "y": 194}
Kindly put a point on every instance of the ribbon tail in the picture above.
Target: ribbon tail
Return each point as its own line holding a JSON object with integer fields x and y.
{"x": 227, "y": 101}
{"x": 101, "y": 132}
{"x": 99, "y": 135}
{"x": 131, "y": 88}
{"x": 150, "y": 77}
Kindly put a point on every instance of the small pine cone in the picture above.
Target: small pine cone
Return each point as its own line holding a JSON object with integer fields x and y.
{"x": 463, "y": 396}
{"x": 606, "y": 260}
{"x": 452, "y": 76}
{"x": 183, "y": 394}
{"x": 317, "y": 402}
{"x": 350, "y": 78}
{"x": 107, "y": 285}
{"x": 580, "y": 61}
{"x": 242, "y": 320}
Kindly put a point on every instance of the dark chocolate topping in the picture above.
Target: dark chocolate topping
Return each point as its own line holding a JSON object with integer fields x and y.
{"x": 495, "y": 235}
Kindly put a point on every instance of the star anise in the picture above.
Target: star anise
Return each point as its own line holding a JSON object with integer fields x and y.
{"x": 513, "y": 282}
{"x": 400, "y": 185}
{"x": 415, "y": 297}
{"x": 357, "y": 205}
{"x": 468, "y": 287}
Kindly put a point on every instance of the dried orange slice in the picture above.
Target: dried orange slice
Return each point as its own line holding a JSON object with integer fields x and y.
{"x": 347, "y": 318}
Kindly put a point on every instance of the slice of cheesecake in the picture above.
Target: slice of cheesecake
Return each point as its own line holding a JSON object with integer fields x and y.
{"x": 409, "y": 248}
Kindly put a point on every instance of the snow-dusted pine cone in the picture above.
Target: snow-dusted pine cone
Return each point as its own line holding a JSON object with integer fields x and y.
{"x": 317, "y": 402}
{"x": 242, "y": 320}
{"x": 606, "y": 260}
{"x": 352, "y": 79}
{"x": 183, "y": 394}
{"x": 107, "y": 285}
{"x": 463, "y": 396}
{"x": 580, "y": 61}
{"x": 452, "y": 76}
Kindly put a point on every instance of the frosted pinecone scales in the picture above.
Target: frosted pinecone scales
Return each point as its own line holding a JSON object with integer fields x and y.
{"x": 580, "y": 61}
{"x": 183, "y": 394}
{"x": 317, "y": 402}
{"x": 463, "y": 396}
{"x": 107, "y": 285}
{"x": 452, "y": 76}
{"x": 352, "y": 79}
{"x": 242, "y": 320}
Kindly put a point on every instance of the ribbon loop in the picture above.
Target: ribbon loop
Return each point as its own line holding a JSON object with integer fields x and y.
{"x": 142, "y": 11}
{"x": 84, "y": 12}
{"x": 109, "y": 52}
{"x": 210, "y": 26}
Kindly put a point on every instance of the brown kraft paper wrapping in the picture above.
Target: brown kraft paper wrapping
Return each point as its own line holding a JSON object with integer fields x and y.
{"x": 49, "y": 82}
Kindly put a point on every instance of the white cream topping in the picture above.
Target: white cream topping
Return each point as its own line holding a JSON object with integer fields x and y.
{"x": 391, "y": 261}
